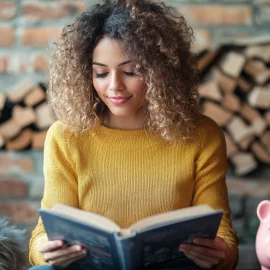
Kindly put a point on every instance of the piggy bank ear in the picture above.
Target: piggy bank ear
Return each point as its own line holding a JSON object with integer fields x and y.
{"x": 263, "y": 210}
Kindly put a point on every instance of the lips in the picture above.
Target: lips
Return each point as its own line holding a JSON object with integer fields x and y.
{"x": 119, "y": 100}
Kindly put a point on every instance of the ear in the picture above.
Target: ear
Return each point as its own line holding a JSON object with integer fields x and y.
{"x": 263, "y": 210}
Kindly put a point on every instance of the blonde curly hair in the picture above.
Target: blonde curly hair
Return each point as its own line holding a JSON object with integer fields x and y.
{"x": 158, "y": 41}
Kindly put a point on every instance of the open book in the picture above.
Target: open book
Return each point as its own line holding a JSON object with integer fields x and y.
{"x": 151, "y": 243}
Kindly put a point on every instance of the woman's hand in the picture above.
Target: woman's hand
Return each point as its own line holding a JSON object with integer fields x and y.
{"x": 206, "y": 253}
{"x": 56, "y": 254}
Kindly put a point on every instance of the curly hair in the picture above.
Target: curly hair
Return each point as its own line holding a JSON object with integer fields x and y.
{"x": 158, "y": 41}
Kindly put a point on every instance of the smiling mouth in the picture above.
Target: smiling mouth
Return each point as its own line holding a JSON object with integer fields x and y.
{"x": 119, "y": 100}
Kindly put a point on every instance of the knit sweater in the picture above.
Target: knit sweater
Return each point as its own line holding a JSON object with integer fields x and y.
{"x": 127, "y": 175}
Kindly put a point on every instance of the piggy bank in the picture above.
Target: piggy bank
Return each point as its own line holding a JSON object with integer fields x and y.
{"x": 263, "y": 235}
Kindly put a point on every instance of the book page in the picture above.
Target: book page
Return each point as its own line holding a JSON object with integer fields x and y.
{"x": 95, "y": 220}
{"x": 171, "y": 216}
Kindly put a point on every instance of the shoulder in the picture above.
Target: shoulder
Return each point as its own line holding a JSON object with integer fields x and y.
{"x": 209, "y": 131}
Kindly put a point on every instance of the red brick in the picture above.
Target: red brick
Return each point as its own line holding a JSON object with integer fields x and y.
{"x": 7, "y": 36}
{"x": 51, "y": 10}
{"x": 39, "y": 36}
{"x": 7, "y": 10}
{"x": 40, "y": 63}
{"x": 217, "y": 14}
{"x": 13, "y": 188}
{"x": 19, "y": 212}
{"x": 9, "y": 164}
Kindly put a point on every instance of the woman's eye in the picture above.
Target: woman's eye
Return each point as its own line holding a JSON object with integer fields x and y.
{"x": 129, "y": 73}
{"x": 101, "y": 75}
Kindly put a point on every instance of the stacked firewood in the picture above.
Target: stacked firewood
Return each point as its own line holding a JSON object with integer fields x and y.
{"x": 24, "y": 117}
{"x": 235, "y": 92}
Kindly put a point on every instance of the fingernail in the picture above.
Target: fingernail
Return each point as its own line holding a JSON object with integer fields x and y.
{"x": 79, "y": 248}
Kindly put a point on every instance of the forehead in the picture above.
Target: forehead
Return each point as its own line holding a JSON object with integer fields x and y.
{"x": 109, "y": 51}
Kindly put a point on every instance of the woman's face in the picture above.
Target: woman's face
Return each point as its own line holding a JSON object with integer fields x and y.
{"x": 118, "y": 87}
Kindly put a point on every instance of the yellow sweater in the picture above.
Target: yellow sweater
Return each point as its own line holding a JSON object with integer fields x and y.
{"x": 127, "y": 175}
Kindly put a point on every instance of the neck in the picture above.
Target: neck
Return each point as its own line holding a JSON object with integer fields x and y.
{"x": 125, "y": 122}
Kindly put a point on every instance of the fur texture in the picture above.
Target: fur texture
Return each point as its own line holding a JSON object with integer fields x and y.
{"x": 13, "y": 251}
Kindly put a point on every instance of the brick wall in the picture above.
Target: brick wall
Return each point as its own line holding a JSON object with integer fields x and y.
{"x": 27, "y": 30}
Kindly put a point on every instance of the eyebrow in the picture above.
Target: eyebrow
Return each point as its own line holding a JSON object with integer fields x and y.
{"x": 102, "y": 65}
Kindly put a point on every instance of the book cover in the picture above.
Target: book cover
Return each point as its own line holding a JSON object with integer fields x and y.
{"x": 147, "y": 248}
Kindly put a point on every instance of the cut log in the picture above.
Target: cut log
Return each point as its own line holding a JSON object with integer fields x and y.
{"x": 2, "y": 141}
{"x": 9, "y": 129}
{"x": 226, "y": 83}
{"x": 230, "y": 145}
{"x": 265, "y": 139}
{"x": 44, "y": 116}
{"x": 21, "y": 142}
{"x": 244, "y": 163}
{"x": 267, "y": 117}
{"x": 2, "y": 101}
{"x": 258, "y": 71}
{"x": 260, "y": 152}
{"x": 217, "y": 113}
{"x": 23, "y": 116}
{"x": 249, "y": 113}
{"x": 246, "y": 142}
{"x": 39, "y": 139}
{"x": 259, "y": 126}
{"x": 18, "y": 93}
{"x": 233, "y": 64}
{"x": 35, "y": 96}
{"x": 261, "y": 52}
{"x": 259, "y": 97}
{"x": 210, "y": 90}
{"x": 243, "y": 84}
{"x": 206, "y": 60}
{"x": 231, "y": 102}
{"x": 238, "y": 129}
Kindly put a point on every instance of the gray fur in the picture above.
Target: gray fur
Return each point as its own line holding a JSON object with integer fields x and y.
{"x": 13, "y": 251}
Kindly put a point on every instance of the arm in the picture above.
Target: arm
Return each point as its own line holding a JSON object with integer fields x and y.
{"x": 60, "y": 184}
{"x": 210, "y": 188}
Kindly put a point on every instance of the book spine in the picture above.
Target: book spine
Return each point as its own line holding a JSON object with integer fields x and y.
{"x": 126, "y": 247}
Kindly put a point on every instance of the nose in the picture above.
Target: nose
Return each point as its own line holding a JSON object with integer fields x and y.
{"x": 116, "y": 83}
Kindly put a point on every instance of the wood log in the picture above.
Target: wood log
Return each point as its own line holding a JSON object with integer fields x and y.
{"x": 259, "y": 97}
{"x": 18, "y": 93}
{"x": 2, "y": 141}
{"x": 244, "y": 163}
{"x": 249, "y": 113}
{"x": 265, "y": 139}
{"x": 210, "y": 90}
{"x": 226, "y": 83}
{"x": 217, "y": 113}
{"x": 233, "y": 64}
{"x": 259, "y": 126}
{"x": 44, "y": 116}
{"x": 260, "y": 152}
{"x": 205, "y": 61}
{"x": 2, "y": 101}
{"x": 231, "y": 102}
{"x": 258, "y": 71}
{"x": 239, "y": 129}
{"x": 39, "y": 139}
{"x": 267, "y": 117}
{"x": 21, "y": 142}
{"x": 9, "y": 129}
{"x": 246, "y": 142}
{"x": 23, "y": 116}
{"x": 35, "y": 96}
{"x": 230, "y": 145}
{"x": 243, "y": 84}
{"x": 261, "y": 52}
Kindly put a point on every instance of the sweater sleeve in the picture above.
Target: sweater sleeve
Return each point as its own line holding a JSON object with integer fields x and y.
{"x": 60, "y": 183}
{"x": 210, "y": 185}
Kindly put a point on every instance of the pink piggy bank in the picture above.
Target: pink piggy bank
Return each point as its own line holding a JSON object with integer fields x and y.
{"x": 263, "y": 235}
